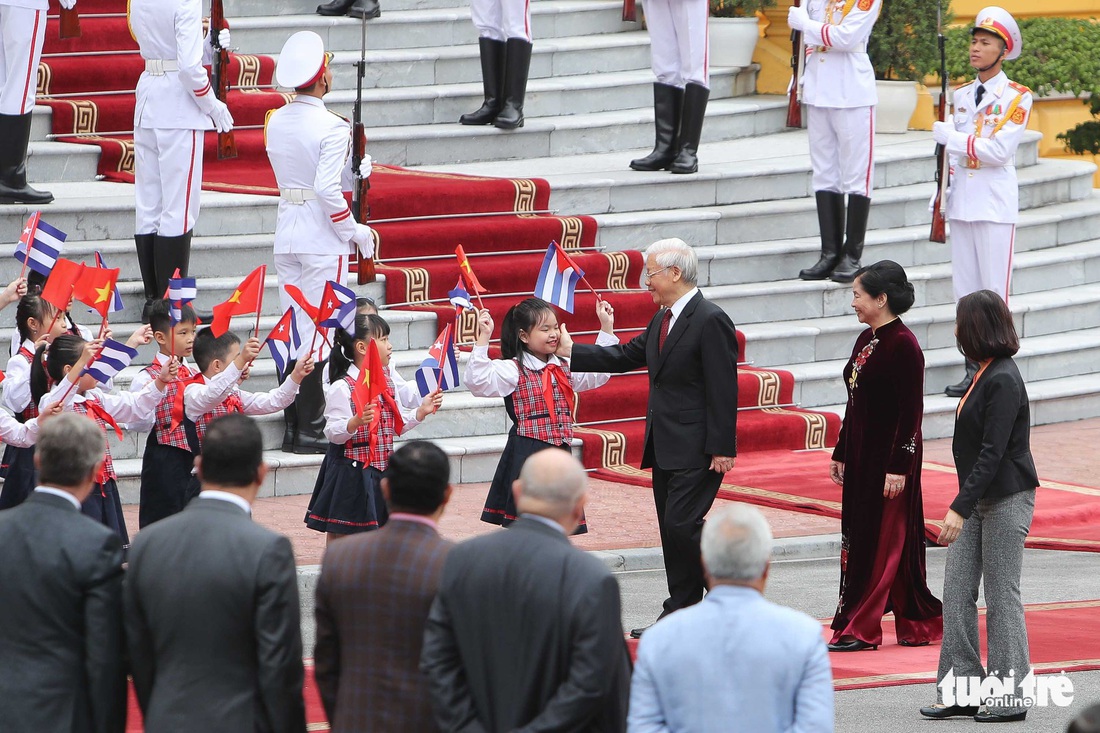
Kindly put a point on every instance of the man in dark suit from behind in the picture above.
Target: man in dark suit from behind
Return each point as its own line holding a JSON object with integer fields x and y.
{"x": 61, "y": 636}
{"x": 690, "y": 351}
{"x": 525, "y": 633}
{"x": 212, "y": 618}
{"x": 373, "y": 599}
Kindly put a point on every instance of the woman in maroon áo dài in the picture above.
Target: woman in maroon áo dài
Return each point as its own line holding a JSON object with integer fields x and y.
{"x": 878, "y": 461}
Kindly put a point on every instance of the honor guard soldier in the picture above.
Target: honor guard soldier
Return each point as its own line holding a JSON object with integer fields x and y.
{"x": 678, "y": 41}
{"x": 175, "y": 106}
{"x": 981, "y": 138}
{"x": 22, "y": 33}
{"x": 504, "y": 44}
{"x": 838, "y": 89}
{"x": 315, "y": 235}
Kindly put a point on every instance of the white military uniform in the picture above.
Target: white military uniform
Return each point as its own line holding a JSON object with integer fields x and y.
{"x": 22, "y": 33}
{"x": 678, "y": 41}
{"x": 983, "y": 204}
{"x": 172, "y": 111}
{"x": 838, "y": 89}
{"x": 502, "y": 19}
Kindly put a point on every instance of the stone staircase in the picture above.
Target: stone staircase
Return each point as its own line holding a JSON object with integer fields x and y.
{"x": 749, "y": 212}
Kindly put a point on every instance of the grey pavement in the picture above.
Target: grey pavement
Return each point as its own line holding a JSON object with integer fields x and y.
{"x": 810, "y": 585}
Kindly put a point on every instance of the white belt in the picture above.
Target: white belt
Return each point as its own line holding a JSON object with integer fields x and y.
{"x": 297, "y": 196}
{"x": 158, "y": 67}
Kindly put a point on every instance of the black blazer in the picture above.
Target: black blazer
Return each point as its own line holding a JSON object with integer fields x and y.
{"x": 526, "y": 634}
{"x": 692, "y": 412}
{"x": 60, "y": 621}
{"x": 992, "y": 438}
{"x": 212, "y": 622}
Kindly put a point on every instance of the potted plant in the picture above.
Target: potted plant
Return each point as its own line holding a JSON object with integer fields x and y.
{"x": 903, "y": 51}
{"x": 734, "y": 30}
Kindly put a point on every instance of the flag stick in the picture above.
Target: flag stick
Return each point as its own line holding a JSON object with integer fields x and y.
{"x": 82, "y": 373}
{"x": 23, "y": 270}
{"x": 59, "y": 311}
{"x": 260, "y": 307}
{"x": 103, "y": 327}
{"x": 575, "y": 269}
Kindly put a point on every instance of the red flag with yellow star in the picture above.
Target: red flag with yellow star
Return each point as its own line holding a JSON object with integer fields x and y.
{"x": 247, "y": 298}
{"x": 467, "y": 271}
{"x": 95, "y": 288}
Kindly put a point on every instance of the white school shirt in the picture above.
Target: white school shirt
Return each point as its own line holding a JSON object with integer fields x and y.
{"x": 15, "y": 392}
{"x": 17, "y": 434}
{"x": 338, "y": 409}
{"x": 199, "y": 399}
{"x": 141, "y": 380}
{"x": 124, "y": 407}
{"x": 487, "y": 377}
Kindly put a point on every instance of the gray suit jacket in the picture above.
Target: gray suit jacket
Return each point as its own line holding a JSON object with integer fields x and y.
{"x": 212, "y": 623}
{"x": 60, "y": 621}
{"x": 526, "y": 635}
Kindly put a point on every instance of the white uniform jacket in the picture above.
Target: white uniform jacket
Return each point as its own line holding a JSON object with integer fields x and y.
{"x": 309, "y": 147}
{"x": 838, "y": 72}
{"x": 983, "y": 151}
{"x": 170, "y": 31}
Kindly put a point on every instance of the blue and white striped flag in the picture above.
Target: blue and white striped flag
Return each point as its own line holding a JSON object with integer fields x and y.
{"x": 181, "y": 291}
{"x": 558, "y": 278}
{"x": 112, "y": 359}
{"x": 40, "y": 245}
{"x": 431, "y": 376}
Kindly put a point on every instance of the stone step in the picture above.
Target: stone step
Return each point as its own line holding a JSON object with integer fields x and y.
{"x": 758, "y": 168}
{"x": 235, "y": 9}
{"x": 425, "y": 28}
{"x": 559, "y": 96}
{"x": 1048, "y": 182}
{"x": 50, "y": 161}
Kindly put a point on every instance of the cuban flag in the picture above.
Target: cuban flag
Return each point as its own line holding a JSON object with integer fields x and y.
{"x": 440, "y": 369}
{"x": 39, "y": 245}
{"x": 459, "y": 297}
{"x": 116, "y": 304}
{"x": 337, "y": 308}
{"x": 181, "y": 291}
{"x": 112, "y": 359}
{"x": 558, "y": 278}
{"x": 284, "y": 341}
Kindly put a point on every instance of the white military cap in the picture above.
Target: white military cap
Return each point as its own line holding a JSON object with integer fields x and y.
{"x": 302, "y": 60}
{"x": 1000, "y": 22}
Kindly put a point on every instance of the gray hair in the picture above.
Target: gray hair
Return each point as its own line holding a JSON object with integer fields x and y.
{"x": 555, "y": 478}
{"x": 676, "y": 253}
{"x": 737, "y": 543}
{"x": 68, "y": 448}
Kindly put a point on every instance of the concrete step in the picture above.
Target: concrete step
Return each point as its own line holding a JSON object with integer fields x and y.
{"x": 425, "y": 28}
{"x": 1048, "y": 182}
{"x": 235, "y": 9}
{"x": 50, "y": 161}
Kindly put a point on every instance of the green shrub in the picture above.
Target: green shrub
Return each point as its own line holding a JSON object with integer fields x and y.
{"x": 903, "y": 44}
{"x": 738, "y": 8}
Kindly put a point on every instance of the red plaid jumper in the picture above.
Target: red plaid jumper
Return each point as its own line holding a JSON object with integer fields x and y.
{"x": 228, "y": 406}
{"x": 162, "y": 427}
{"x": 359, "y": 448}
{"x": 108, "y": 470}
{"x": 533, "y": 418}
{"x": 31, "y": 410}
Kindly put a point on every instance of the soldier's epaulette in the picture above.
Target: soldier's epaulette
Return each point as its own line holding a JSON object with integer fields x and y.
{"x": 1019, "y": 87}
{"x": 964, "y": 86}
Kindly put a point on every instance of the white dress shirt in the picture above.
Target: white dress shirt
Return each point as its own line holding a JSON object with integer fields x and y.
{"x": 15, "y": 393}
{"x": 227, "y": 496}
{"x": 17, "y": 434}
{"x": 487, "y": 377}
{"x": 678, "y": 307}
{"x": 58, "y": 492}
{"x": 124, "y": 407}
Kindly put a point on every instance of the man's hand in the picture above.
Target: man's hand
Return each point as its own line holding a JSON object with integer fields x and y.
{"x": 301, "y": 368}
{"x": 722, "y": 464}
{"x": 68, "y": 4}
{"x": 140, "y": 337}
{"x": 797, "y": 18}
{"x": 565, "y": 343}
{"x": 952, "y": 526}
{"x": 223, "y": 120}
{"x": 836, "y": 472}
{"x": 941, "y": 131}
{"x": 364, "y": 240}
{"x": 366, "y": 167}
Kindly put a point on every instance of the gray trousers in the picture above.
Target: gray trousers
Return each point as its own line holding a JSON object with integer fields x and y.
{"x": 991, "y": 544}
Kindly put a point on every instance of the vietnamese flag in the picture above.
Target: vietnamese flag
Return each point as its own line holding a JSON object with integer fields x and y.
{"x": 467, "y": 271}
{"x": 371, "y": 382}
{"x": 95, "y": 288}
{"x": 247, "y": 298}
{"x": 61, "y": 283}
{"x": 299, "y": 297}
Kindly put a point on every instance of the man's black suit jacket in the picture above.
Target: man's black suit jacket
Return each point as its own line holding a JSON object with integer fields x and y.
{"x": 61, "y": 642}
{"x": 692, "y": 413}
{"x": 992, "y": 441}
{"x": 212, "y": 623}
{"x": 526, "y": 635}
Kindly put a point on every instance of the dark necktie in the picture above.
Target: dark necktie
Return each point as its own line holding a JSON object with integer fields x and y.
{"x": 978, "y": 94}
{"x": 666, "y": 322}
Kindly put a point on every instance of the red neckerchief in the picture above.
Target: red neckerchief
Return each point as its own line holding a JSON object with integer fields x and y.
{"x": 398, "y": 423}
{"x": 97, "y": 410}
{"x": 178, "y": 413}
{"x": 558, "y": 374}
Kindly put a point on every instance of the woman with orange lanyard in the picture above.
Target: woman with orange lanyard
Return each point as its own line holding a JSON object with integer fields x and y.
{"x": 988, "y": 521}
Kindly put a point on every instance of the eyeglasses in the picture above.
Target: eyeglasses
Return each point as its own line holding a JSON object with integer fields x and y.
{"x": 650, "y": 275}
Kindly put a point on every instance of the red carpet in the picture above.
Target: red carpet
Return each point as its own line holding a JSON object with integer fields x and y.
{"x": 1061, "y": 637}
{"x": 1067, "y": 517}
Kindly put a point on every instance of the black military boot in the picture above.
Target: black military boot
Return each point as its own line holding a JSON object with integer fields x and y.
{"x": 667, "y": 101}
{"x": 146, "y": 249}
{"x": 336, "y": 7}
{"x": 365, "y": 10}
{"x": 958, "y": 390}
{"x": 859, "y": 207}
{"x": 492, "y": 80}
{"x": 517, "y": 64}
{"x": 310, "y": 408}
{"x": 15, "y": 136}
{"x": 691, "y": 128}
{"x": 830, "y": 220}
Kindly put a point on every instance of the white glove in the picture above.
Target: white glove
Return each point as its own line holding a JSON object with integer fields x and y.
{"x": 365, "y": 167}
{"x": 68, "y": 4}
{"x": 797, "y": 18}
{"x": 364, "y": 240}
{"x": 223, "y": 39}
{"x": 941, "y": 131}
{"x": 223, "y": 121}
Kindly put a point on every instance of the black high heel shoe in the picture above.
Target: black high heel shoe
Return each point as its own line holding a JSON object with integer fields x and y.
{"x": 855, "y": 645}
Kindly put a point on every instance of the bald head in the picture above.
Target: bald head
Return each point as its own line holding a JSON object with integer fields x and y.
{"x": 552, "y": 484}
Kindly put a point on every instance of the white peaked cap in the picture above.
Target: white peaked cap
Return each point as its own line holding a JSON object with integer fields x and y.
{"x": 1001, "y": 23}
{"x": 301, "y": 60}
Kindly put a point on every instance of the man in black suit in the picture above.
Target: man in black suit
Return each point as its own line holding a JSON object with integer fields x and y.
{"x": 212, "y": 616}
{"x": 690, "y": 350}
{"x": 526, "y": 632}
{"x": 61, "y": 600}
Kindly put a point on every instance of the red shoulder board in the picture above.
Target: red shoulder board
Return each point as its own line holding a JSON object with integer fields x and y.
{"x": 1019, "y": 87}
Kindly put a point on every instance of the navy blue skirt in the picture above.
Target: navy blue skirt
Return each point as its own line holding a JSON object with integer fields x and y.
{"x": 347, "y": 498}
{"x": 20, "y": 477}
{"x": 500, "y": 504}
{"x": 104, "y": 506}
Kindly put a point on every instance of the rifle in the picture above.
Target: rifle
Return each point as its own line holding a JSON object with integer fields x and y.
{"x": 798, "y": 65}
{"x": 360, "y": 207}
{"x": 219, "y": 73}
{"x": 630, "y": 13}
{"x": 943, "y": 172}
{"x": 69, "y": 23}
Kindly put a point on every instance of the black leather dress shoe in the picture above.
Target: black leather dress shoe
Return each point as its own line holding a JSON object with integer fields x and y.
{"x": 904, "y": 642}
{"x": 949, "y": 711}
{"x": 855, "y": 645}
{"x": 336, "y": 7}
{"x": 637, "y": 633}
{"x": 984, "y": 716}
